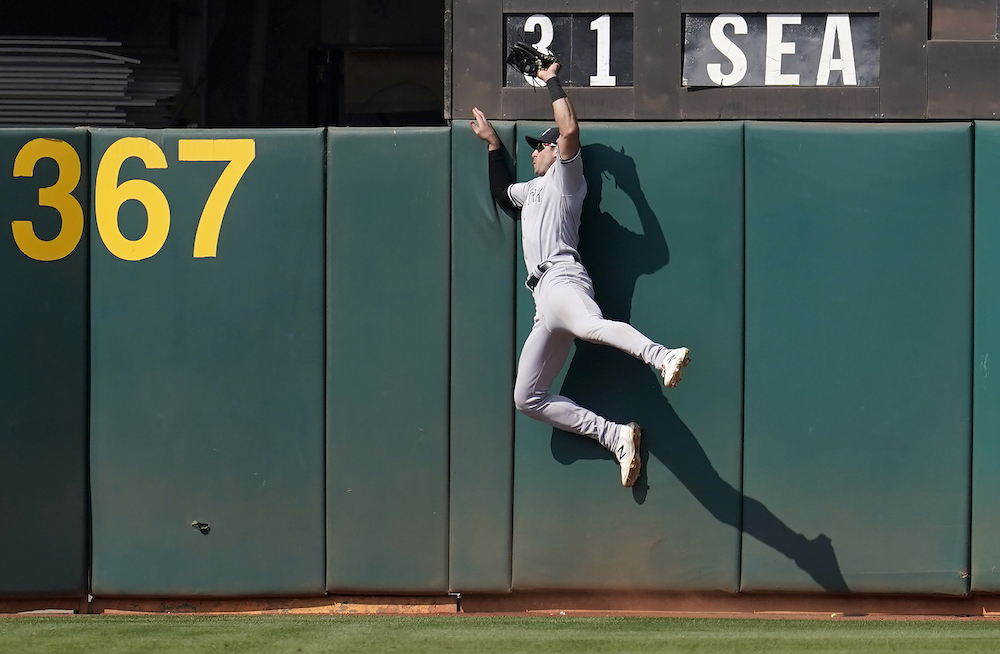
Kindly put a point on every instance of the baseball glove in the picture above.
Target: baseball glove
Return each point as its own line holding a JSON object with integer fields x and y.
{"x": 529, "y": 60}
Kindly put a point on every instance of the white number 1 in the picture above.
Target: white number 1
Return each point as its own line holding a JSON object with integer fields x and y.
{"x": 603, "y": 28}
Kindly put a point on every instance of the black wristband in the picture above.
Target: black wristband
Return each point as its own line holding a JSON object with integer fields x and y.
{"x": 555, "y": 89}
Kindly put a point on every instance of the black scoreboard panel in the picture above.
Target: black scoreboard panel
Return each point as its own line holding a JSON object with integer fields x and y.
{"x": 594, "y": 49}
{"x": 893, "y": 77}
{"x": 781, "y": 50}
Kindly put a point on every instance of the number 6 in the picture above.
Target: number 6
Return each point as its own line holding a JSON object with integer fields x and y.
{"x": 109, "y": 196}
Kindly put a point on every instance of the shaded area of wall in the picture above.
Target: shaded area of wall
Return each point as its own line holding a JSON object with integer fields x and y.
{"x": 43, "y": 363}
{"x": 662, "y": 237}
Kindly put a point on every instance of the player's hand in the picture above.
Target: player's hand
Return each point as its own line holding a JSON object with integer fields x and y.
{"x": 549, "y": 72}
{"x": 482, "y": 128}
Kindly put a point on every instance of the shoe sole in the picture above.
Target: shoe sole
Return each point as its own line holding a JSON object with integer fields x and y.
{"x": 635, "y": 464}
{"x": 675, "y": 377}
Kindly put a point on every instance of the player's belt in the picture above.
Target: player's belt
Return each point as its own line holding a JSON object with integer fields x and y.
{"x": 535, "y": 276}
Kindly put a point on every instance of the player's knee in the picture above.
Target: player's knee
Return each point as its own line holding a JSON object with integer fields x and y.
{"x": 526, "y": 401}
{"x": 591, "y": 330}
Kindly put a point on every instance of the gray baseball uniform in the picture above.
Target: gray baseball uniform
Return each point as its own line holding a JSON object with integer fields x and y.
{"x": 564, "y": 302}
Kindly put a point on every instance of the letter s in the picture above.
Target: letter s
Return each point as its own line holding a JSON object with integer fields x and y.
{"x": 728, "y": 48}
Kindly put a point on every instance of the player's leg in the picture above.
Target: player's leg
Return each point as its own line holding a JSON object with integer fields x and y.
{"x": 542, "y": 357}
{"x": 571, "y": 306}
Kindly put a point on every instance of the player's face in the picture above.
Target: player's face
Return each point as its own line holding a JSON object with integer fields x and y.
{"x": 543, "y": 158}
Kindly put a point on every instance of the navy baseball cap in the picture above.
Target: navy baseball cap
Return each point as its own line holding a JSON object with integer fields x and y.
{"x": 551, "y": 135}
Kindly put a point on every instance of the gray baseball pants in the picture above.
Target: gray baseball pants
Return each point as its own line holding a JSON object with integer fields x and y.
{"x": 565, "y": 309}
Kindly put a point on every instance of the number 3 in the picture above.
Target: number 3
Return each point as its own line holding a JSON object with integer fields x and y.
{"x": 544, "y": 24}
{"x": 58, "y": 196}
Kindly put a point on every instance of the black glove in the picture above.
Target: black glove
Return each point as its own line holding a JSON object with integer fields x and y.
{"x": 529, "y": 60}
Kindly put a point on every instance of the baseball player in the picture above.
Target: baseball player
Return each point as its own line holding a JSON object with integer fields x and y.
{"x": 565, "y": 309}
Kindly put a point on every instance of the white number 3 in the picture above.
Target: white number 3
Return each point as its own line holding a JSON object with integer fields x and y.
{"x": 544, "y": 24}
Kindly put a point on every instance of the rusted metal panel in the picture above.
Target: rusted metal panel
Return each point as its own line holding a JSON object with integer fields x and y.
{"x": 963, "y": 79}
{"x": 776, "y": 103}
{"x": 964, "y": 20}
{"x": 477, "y": 66}
{"x": 565, "y": 6}
{"x": 904, "y": 59}
{"x": 658, "y": 40}
{"x": 779, "y": 6}
{"x": 588, "y": 103}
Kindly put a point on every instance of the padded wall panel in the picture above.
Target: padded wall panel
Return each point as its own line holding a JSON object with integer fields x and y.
{"x": 986, "y": 420}
{"x": 482, "y": 370}
{"x": 858, "y": 390}
{"x": 387, "y": 341}
{"x": 662, "y": 237}
{"x": 207, "y": 373}
{"x": 43, "y": 362}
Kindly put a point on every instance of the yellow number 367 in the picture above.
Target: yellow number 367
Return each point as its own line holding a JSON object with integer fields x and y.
{"x": 109, "y": 195}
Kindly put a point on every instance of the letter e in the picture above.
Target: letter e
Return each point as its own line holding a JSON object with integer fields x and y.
{"x": 776, "y": 47}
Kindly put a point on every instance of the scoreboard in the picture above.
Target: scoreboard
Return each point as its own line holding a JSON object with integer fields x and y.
{"x": 731, "y": 59}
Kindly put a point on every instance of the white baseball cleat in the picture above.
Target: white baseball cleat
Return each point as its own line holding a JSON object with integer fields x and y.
{"x": 672, "y": 366}
{"x": 628, "y": 452}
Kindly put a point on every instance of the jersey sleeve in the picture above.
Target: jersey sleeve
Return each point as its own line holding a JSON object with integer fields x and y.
{"x": 518, "y": 193}
{"x": 568, "y": 175}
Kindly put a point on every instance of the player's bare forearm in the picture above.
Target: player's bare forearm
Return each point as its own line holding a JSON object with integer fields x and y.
{"x": 482, "y": 128}
{"x": 562, "y": 109}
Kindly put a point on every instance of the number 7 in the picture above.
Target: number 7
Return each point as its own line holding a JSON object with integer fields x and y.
{"x": 239, "y": 153}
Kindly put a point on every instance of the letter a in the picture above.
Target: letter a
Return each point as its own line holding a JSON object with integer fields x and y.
{"x": 838, "y": 26}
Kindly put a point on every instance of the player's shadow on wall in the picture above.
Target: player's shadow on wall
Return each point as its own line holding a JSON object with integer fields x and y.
{"x": 615, "y": 384}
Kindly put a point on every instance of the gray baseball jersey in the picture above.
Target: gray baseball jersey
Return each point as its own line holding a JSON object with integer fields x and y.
{"x": 551, "y": 206}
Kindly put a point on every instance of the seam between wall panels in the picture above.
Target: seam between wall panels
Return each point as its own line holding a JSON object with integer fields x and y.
{"x": 743, "y": 394}
{"x": 326, "y": 352}
{"x": 972, "y": 353}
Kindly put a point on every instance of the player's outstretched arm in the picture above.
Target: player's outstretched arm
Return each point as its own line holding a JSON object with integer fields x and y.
{"x": 569, "y": 129}
{"x": 500, "y": 179}
{"x": 484, "y": 130}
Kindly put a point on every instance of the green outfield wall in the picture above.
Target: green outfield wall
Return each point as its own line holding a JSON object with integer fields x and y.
{"x": 858, "y": 375}
{"x": 207, "y": 366}
{"x": 986, "y": 391}
{"x": 482, "y": 371}
{"x": 43, "y": 362}
{"x": 257, "y": 363}
{"x": 662, "y": 236}
{"x": 388, "y": 193}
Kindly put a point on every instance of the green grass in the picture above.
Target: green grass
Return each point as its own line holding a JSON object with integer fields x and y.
{"x": 463, "y": 634}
